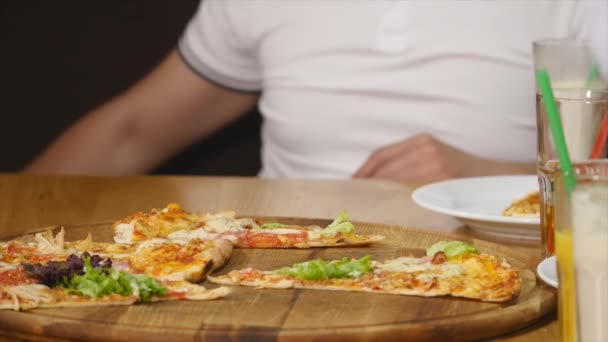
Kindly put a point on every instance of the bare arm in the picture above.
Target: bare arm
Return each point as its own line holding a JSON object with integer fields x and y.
{"x": 168, "y": 110}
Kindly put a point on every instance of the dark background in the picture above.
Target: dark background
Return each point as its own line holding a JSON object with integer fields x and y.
{"x": 61, "y": 58}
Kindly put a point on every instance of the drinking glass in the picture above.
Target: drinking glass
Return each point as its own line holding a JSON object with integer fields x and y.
{"x": 569, "y": 62}
{"x": 573, "y": 73}
{"x": 581, "y": 236}
{"x": 584, "y": 117}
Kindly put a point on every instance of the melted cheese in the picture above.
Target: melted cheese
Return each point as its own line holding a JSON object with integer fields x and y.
{"x": 184, "y": 236}
{"x": 232, "y": 238}
{"x": 404, "y": 264}
{"x": 5, "y": 267}
{"x": 123, "y": 233}
{"x": 281, "y": 231}
{"x": 244, "y": 222}
{"x": 314, "y": 235}
{"x": 151, "y": 242}
{"x": 478, "y": 266}
{"x": 411, "y": 265}
{"x": 442, "y": 271}
{"x": 223, "y": 224}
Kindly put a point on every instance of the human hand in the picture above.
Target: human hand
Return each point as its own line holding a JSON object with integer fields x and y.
{"x": 423, "y": 158}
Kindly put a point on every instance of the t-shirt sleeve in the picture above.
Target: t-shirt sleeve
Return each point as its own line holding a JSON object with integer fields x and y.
{"x": 216, "y": 46}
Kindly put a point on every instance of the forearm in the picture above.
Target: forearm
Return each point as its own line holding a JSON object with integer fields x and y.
{"x": 168, "y": 110}
{"x": 103, "y": 142}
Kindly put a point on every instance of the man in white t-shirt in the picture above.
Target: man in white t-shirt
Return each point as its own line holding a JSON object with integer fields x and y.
{"x": 410, "y": 90}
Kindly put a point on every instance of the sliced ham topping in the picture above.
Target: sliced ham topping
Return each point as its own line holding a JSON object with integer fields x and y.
{"x": 439, "y": 258}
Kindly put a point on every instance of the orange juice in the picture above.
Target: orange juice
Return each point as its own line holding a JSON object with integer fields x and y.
{"x": 590, "y": 241}
{"x": 566, "y": 310}
{"x": 546, "y": 178}
{"x": 548, "y": 232}
{"x": 581, "y": 237}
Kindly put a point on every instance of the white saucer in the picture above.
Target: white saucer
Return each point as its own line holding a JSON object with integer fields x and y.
{"x": 478, "y": 202}
{"x": 547, "y": 271}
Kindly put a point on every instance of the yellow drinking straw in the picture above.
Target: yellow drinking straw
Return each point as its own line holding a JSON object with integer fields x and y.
{"x": 557, "y": 131}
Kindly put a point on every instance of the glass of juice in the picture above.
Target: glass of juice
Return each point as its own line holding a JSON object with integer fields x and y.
{"x": 583, "y": 113}
{"x": 572, "y": 71}
{"x": 581, "y": 237}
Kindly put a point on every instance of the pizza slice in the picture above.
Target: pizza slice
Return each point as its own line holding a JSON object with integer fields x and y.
{"x": 50, "y": 272}
{"x": 339, "y": 233}
{"x": 157, "y": 223}
{"x": 89, "y": 280}
{"x": 178, "y": 225}
{"x": 160, "y": 258}
{"x": 451, "y": 268}
{"x": 171, "y": 261}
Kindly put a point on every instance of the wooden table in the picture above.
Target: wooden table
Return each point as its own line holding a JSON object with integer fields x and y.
{"x": 28, "y": 202}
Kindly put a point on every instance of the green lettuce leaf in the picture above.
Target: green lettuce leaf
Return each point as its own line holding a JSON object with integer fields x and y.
{"x": 272, "y": 225}
{"x": 319, "y": 269}
{"x": 339, "y": 225}
{"x": 451, "y": 248}
{"x": 99, "y": 282}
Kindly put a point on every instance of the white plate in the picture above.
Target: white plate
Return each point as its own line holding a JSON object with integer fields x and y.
{"x": 547, "y": 271}
{"x": 479, "y": 201}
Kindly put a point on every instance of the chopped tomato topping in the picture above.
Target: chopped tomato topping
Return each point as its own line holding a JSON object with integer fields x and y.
{"x": 13, "y": 248}
{"x": 263, "y": 240}
{"x": 15, "y": 276}
{"x": 138, "y": 234}
{"x": 41, "y": 258}
{"x": 177, "y": 294}
{"x": 270, "y": 240}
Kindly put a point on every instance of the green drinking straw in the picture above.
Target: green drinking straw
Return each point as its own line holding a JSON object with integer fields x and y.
{"x": 557, "y": 131}
{"x": 594, "y": 74}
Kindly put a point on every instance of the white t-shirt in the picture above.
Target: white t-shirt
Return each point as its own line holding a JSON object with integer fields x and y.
{"x": 598, "y": 33}
{"x": 340, "y": 79}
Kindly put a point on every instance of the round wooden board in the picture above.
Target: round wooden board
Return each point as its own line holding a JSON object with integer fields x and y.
{"x": 270, "y": 314}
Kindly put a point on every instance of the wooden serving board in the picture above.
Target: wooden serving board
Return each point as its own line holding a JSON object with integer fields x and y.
{"x": 292, "y": 314}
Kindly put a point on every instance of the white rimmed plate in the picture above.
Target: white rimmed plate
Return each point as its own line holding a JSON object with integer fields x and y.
{"x": 547, "y": 271}
{"x": 478, "y": 202}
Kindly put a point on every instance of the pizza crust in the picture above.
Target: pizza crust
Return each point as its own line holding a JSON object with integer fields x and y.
{"x": 220, "y": 254}
{"x": 347, "y": 241}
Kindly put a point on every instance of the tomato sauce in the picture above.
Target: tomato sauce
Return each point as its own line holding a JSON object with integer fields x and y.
{"x": 15, "y": 276}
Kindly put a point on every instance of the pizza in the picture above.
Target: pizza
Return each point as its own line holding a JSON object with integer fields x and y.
{"x": 165, "y": 254}
{"x": 528, "y": 206}
{"x": 176, "y": 224}
{"x": 450, "y": 268}
{"x": 48, "y": 271}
